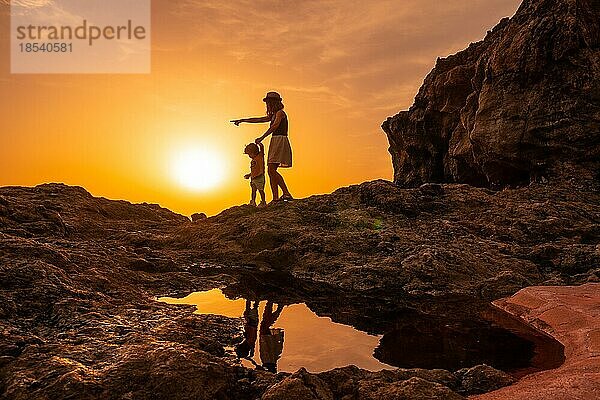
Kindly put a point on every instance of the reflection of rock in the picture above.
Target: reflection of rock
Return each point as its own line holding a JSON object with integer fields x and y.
{"x": 430, "y": 343}
{"x": 450, "y": 332}
{"x": 512, "y": 108}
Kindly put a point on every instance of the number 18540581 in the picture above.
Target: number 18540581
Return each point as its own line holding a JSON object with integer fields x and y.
{"x": 46, "y": 47}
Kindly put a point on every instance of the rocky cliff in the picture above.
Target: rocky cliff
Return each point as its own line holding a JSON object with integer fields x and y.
{"x": 515, "y": 107}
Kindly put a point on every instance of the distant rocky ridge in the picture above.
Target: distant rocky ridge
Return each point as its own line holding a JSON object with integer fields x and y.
{"x": 512, "y": 108}
{"x": 436, "y": 240}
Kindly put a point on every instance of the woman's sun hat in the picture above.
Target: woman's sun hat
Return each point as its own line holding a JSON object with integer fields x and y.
{"x": 272, "y": 96}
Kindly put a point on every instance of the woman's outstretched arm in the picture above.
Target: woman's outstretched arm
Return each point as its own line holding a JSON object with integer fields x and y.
{"x": 256, "y": 120}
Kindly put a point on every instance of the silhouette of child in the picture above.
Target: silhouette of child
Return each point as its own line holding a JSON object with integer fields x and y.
{"x": 246, "y": 348}
{"x": 257, "y": 172}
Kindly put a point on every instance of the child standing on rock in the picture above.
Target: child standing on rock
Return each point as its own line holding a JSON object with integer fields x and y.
{"x": 257, "y": 172}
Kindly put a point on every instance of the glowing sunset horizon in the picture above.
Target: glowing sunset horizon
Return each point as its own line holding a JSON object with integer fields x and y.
{"x": 165, "y": 137}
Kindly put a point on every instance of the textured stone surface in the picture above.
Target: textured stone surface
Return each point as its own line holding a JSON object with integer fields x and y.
{"x": 482, "y": 379}
{"x": 78, "y": 319}
{"x": 571, "y": 315}
{"x": 355, "y": 383}
{"x": 515, "y": 107}
{"x": 466, "y": 241}
{"x": 78, "y": 280}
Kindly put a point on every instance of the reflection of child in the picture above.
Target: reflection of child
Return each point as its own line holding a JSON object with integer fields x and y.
{"x": 257, "y": 172}
{"x": 271, "y": 339}
{"x": 246, "y": 347}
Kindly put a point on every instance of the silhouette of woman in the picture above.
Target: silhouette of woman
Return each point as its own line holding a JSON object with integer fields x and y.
{"x": 271, "y": 339}
{"x": 280, "y": 150}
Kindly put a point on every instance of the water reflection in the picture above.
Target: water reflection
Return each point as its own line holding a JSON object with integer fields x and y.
{"x": 281, "y": 333}
{"x": 286, "y": 337}
{"x": 271, "y": 339}
{"x": 246, "y": 348}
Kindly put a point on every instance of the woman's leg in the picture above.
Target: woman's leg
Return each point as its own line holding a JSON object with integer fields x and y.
{"x": 283, "y": 186}
{"x": 274, "y": 179}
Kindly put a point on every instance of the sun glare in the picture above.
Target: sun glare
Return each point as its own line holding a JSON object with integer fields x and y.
{"x": 198, "y": 168}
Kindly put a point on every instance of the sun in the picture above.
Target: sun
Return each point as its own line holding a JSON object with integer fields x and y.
{"x": 198, "y": 168}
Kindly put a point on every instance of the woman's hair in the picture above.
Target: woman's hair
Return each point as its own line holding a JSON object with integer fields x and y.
{"x": 273, "y": 105}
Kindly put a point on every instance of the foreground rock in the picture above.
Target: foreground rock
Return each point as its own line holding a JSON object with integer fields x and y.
{"x": 354, "y": 383}
{"x": 77, "y": 315}
{"x": 512, "y": 108}
{"x": 78, "y": 276}
{"x": 572, "y": 315}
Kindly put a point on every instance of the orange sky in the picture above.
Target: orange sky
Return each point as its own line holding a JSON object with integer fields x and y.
{"x": 342, "y": 67}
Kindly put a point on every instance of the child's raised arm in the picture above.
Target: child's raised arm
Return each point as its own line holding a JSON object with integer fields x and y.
{"x": 261, "y": 148}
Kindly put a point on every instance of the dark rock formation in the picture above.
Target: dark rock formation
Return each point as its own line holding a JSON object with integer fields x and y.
{"x": 515, "y": 107}
{"x": 197, "y": 217}
{"x": 482, "y": 379}
{"x": 77, "y": 315}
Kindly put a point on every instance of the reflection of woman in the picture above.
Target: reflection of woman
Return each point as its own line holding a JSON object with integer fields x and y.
{"x": 280, "y": 150}
{"x": 271, "y": 339}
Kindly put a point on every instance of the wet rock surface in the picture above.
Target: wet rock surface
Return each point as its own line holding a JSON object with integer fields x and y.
{"x": 513, "y": 108}
{"x": 571, "y": 314}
